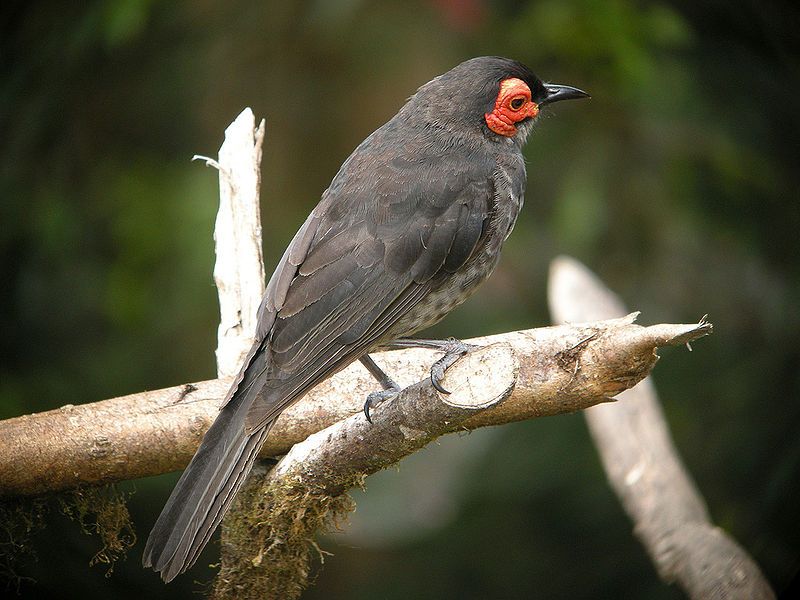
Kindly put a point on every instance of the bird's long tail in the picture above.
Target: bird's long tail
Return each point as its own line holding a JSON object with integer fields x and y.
{"x": 204, "y": 492}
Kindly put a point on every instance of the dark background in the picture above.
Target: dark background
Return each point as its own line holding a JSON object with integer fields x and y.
{"x": 678, "y": 183}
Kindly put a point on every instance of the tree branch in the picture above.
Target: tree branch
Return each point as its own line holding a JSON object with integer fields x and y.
{"x": 239, "y": 268}
{"x": 560, "y": 369}
{"x": 669, "y": 514}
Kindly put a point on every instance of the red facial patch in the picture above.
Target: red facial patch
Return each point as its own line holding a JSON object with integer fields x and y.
{"x": 513, "y": 104}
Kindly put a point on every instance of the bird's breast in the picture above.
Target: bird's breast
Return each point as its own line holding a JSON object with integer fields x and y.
{"x": 451, "y": 289}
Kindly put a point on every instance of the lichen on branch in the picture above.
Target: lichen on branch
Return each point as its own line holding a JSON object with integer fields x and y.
{"x": 268, "y": 539}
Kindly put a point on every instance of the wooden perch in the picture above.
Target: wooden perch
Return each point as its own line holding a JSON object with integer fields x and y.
{"x": 560, "y": 369}
{"x": 669, "y": 514}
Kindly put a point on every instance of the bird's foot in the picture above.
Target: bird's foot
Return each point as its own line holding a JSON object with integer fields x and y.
{"x": 453, "y": 350}
{"x": 390, "y": 388}
{"x": 376, "y": 398}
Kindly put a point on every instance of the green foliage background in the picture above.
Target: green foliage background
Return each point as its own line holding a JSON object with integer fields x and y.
{"x": 678, "y": 183}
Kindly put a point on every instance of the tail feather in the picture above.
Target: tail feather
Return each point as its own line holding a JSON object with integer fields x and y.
{"x": 191, "y": 547}
{"x": 204, "y": 492}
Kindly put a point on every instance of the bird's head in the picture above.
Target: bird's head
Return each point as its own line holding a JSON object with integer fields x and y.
{"x": 495, "y": 96}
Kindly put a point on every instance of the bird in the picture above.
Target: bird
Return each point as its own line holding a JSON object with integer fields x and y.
{"x": 412, "y": 223}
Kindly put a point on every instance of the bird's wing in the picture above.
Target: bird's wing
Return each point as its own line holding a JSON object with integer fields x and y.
{"x": 368, "y": 254}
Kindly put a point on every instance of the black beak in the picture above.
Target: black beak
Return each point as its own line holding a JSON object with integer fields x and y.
{"x": 556, "y": 93}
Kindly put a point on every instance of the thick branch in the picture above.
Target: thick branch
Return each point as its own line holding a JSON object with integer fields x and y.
{"x": 642, "y": 464}
{"x": 561, "y": 369}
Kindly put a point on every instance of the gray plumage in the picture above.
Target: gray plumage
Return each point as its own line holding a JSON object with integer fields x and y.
{"x": 411, "y": 224}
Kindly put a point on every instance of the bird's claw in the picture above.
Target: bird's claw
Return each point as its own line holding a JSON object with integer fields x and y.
{"x": 453, "y": 350}
{"x": 376, "y": 398}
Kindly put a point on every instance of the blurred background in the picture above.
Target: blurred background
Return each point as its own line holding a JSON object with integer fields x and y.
{"x": 677, "y": 183}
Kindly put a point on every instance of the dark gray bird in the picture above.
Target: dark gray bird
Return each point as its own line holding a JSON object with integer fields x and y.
{"x": 412, "y": 223}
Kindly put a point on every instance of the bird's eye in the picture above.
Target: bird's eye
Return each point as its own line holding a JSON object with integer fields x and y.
{"x": 517, "y": 103}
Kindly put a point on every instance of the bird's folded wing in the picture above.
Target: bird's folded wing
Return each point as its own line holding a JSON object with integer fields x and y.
{"x": 368, "y": 262}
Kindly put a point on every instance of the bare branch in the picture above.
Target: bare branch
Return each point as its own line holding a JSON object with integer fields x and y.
{"x": 239, "y": 270}
{"x": 669, "y": 514}
{"x": 561, "y": 369}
